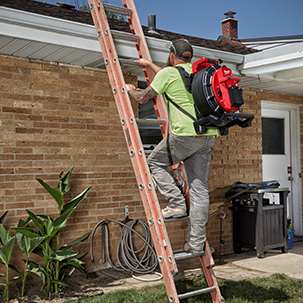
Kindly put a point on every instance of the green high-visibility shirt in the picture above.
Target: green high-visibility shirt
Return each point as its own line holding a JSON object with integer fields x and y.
{"x": 169, "y": 80}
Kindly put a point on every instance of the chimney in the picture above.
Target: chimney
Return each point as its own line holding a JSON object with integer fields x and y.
{"x": 230, "y": 26}
{"x": 152, "y": 25}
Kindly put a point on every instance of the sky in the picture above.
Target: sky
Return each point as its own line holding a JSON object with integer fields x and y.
{"x": 202, "y": 18}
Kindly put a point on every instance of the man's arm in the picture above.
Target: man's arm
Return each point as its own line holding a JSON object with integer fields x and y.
{"x": 141, "y": 96}
{"x": 146, "y": 63}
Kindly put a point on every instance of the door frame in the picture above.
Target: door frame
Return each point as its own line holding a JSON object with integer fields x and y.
{"x": 295, "y": 152}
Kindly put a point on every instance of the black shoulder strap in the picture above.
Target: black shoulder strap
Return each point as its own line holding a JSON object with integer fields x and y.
{"x": 186, "y": 77}
{"x": 179, "y": 107}
{"x": 167, "y": 138}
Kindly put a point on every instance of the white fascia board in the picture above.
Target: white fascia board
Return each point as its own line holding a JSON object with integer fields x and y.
{"x": 30, "y": 26}
{"x": 273, "y": 60}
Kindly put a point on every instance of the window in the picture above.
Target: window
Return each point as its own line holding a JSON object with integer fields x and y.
{"x": 273, "y": 136}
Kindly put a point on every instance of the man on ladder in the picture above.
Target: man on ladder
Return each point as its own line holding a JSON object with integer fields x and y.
{"x": 182, "y": 144}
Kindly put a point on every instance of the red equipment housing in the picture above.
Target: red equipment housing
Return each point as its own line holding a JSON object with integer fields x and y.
{"x": 217, "y": 96}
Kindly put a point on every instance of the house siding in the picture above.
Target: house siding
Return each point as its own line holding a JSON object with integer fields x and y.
{"x": 55, "y": 116}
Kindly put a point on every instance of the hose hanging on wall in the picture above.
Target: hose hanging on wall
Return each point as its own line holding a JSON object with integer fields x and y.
{"x": 130, "y": 262}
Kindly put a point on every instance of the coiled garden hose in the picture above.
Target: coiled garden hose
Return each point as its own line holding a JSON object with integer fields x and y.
{"x": 125, "y": 249}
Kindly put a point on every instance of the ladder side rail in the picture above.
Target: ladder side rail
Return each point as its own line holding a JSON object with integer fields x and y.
{"x": 143, "y": 51}
{"x": 141, "y": 169}
{"x": 208, "y": 263}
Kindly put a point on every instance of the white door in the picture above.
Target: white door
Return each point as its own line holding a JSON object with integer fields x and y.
{"x": 276, "y": 150}
{"x": 281, "y": 156}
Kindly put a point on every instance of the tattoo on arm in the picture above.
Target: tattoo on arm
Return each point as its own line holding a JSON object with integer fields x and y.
{"x": 143, "y": 96}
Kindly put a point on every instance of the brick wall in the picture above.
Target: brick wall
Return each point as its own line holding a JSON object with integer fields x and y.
{"x": 56, "y": 116}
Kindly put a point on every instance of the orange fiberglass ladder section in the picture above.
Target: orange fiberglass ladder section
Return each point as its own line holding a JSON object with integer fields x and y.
{"x": 166, "y": 258}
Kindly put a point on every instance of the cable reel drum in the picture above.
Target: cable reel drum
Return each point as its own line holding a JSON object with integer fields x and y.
{"x": 217, "y": 97}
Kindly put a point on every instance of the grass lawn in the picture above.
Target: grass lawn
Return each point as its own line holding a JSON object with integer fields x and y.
{"x": 277, "y": 288}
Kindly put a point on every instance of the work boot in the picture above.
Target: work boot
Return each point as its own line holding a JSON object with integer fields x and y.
{"x": 169, "y": 212}
{"x": 194, "y": 252}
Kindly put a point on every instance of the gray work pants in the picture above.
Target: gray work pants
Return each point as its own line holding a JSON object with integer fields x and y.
{"x": 195, "y": 152}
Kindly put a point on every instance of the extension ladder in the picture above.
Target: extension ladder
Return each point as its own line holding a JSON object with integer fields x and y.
{"x": 166, "y": 258}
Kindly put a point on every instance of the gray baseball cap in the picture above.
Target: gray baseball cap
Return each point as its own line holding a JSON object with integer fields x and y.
{"x": 179, "y": 47}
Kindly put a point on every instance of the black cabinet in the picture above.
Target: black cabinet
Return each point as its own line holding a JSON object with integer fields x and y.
{"x": 256, "y": 223}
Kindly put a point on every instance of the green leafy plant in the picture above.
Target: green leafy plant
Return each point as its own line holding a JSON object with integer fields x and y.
{"x": 7, "y": 242}
{"x": 27, "y": 245}
{"x": 46, "y": 235}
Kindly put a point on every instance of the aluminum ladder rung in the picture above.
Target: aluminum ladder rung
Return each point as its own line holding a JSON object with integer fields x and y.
{"x": 183, "y": 255}
{"x": 124, "y": 36}
{"x": 117, "y": 9}
{"x": 127, "y": 62}
{"x": 197, "y": 292}
{"x": 176, "y": 219}
{"x": 151, "y": 121}
{"x": 187, "y": 255}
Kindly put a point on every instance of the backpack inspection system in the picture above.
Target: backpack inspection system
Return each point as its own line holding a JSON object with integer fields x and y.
{"x": 216, "y": 94}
